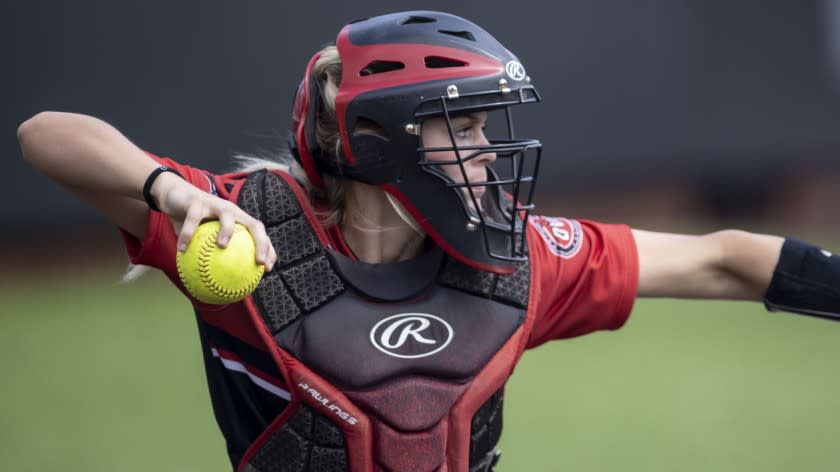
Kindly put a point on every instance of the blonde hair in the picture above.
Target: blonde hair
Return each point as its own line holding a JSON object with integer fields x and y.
{"x": 328, "y": 72}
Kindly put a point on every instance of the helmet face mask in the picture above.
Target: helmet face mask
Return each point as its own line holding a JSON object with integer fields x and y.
{"x": 401, "y": 73}
{"x": 496, "y": 192}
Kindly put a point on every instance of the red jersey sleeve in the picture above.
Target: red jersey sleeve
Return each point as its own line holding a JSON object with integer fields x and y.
{"x": 587, "y": 275}
{"x": 159, "y": 247}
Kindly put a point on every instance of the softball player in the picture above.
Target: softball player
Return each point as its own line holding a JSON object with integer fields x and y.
{"x": 408, "y": 270}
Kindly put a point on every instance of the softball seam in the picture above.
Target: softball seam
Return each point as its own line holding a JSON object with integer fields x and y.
{"x": 205, "y": 253}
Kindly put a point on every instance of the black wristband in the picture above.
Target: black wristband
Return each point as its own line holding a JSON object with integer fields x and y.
{"x": 147, "y": 187}
{"x": 806, "y": 281}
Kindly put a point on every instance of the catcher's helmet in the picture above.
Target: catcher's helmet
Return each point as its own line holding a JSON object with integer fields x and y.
{"x": 399, "y": 70}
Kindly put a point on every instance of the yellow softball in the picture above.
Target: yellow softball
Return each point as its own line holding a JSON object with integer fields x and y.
{"x": 216, "y": 275}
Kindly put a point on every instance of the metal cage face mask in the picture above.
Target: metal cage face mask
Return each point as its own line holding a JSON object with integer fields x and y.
{"x": 494, "y": 174}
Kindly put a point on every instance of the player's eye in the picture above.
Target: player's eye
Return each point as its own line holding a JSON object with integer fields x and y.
{"x": 463, "y": 133}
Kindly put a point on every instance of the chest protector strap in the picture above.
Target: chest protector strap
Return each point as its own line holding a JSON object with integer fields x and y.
{"x": 366, "y": 398}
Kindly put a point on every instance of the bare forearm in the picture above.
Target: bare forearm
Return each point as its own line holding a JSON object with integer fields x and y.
{"x": 82, "y": 152}
{"x": 94, "y": 160}
{"x": 728, "y": 264}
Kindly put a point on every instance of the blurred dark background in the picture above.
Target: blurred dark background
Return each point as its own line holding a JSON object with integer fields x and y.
{"x": 665, "y": 114}
{"x": 653, "y": 110}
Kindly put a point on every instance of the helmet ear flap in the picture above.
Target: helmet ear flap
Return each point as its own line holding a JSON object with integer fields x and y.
{"x": 302, "y": 139}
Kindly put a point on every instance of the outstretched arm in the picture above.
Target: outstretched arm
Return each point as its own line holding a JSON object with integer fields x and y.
{"x": 787, "y": 274}
{"x": 95, "y": 161}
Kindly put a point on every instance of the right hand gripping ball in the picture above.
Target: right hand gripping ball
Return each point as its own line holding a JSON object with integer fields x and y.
{"x": 215, "y": 275}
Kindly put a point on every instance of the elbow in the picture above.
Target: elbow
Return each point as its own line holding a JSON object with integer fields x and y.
{"x": 26, "y": 130}
{"x": 725, "y": 246}
{"x": 48, "y": 135}
{"x": 731, "y": 240}
{"x": 32, "y": 125}
{"x": 749, "y": 260}
{"x": 30, "y": 133}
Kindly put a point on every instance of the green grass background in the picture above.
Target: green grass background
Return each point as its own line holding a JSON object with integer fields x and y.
{"x": 100, "y": 376}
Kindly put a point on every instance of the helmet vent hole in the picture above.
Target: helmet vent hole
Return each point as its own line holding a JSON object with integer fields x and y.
{"x": 367, "y": 127}
{"x": 461, "y": 34}
{"x": 437, "y": 62}
{"x": 379, "y": 67}
{"x": 413, "y": 20}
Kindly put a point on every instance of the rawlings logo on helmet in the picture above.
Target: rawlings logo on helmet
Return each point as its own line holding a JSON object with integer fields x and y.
{"x": 515, "y": 70}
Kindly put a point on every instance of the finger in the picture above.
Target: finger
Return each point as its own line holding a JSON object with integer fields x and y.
{"x": 176, "y": 225}
{"x": 226, "y": 226}
{"x": 191, "y": 222}
{"x": 272, "y": 257}
{"x": 261, "y": 241}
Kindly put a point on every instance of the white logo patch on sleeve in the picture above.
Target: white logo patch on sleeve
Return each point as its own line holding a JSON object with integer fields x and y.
{"x": 562, "y": 236}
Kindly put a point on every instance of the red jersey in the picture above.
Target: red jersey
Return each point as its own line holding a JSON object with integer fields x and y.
{"x": 585, "y": 276}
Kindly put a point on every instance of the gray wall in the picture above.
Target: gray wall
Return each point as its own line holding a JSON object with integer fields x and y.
{"x": 738, "y": 91}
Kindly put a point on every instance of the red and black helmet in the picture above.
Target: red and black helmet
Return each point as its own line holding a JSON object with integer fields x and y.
{"x": 398, "y": 70}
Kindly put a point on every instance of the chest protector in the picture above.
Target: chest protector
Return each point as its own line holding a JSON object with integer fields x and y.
{"x": 391, "y": 367}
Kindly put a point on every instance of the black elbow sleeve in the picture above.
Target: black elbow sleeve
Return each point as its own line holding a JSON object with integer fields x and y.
{"x": 806, "y": 281}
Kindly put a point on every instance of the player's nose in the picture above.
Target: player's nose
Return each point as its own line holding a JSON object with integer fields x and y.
{"x": 485, "y": 158}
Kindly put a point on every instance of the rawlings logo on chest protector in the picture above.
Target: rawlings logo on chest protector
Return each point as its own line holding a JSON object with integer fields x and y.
{"x": 405, "y": 335}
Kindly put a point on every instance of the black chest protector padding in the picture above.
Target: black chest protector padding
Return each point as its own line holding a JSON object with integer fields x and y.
{"x": 508, "y": 289}
{"x": 485, "y": 432}
{"x": 305, "y": 279}
{"x": 306, "y": 442}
